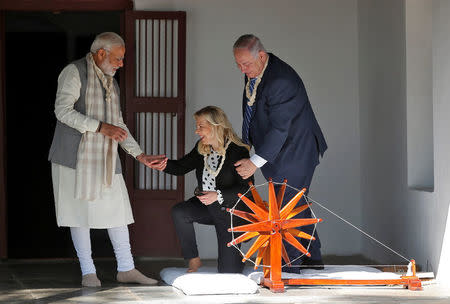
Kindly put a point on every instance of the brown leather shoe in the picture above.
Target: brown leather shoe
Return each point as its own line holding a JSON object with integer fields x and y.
{"x": 134, "y": 276}
{"x": 90, "y": 280}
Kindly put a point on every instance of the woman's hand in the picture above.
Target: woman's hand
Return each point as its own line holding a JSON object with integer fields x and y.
{"x": 208, "y": 197}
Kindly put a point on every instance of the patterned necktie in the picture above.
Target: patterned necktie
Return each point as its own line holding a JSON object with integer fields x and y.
{"x": 247, "y": 114}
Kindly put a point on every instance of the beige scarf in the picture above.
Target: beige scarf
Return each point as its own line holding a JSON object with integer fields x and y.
{"x": 96, "y": 163}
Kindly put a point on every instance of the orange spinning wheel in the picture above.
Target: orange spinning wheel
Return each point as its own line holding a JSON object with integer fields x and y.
{"x": 270, "y": 225}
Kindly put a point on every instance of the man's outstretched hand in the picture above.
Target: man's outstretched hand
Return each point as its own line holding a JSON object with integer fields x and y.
{"x": 245, "y": 168}
{"x": 153, "y": 161}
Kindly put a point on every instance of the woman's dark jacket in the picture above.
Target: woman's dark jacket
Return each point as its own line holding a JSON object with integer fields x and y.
{"x": 228, "y": 181}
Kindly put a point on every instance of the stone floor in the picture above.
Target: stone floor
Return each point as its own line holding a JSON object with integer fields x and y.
{"x": 58, "y": 281}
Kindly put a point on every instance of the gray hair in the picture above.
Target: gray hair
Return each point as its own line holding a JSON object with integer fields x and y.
{"x": 249, "y": 42}
{"x": 106, "y": 41}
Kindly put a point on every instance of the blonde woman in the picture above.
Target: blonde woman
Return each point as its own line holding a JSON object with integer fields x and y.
{"x": 213, "y": 159}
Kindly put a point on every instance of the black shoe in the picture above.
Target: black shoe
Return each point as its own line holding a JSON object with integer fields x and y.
{"x": 291, "y": 269}
{"x": 309, "y": 263}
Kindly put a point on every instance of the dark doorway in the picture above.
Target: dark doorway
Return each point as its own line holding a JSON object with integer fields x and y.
{"x": 38, "y": 46}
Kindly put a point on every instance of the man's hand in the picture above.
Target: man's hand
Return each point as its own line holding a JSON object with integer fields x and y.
{"x": 159, "y": 165}
{"x": 111, "y": 131}
{"x": 157, "y": 162}
{"x": 245, "y": 168}
{"x": 208, "y": 197}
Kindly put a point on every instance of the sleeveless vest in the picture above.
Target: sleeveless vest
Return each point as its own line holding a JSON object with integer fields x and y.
{"x": 64, "y": 148}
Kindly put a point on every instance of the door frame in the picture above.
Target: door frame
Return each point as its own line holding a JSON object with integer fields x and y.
{"x": 38, "y": 6}
{"x": 3, "y": 205}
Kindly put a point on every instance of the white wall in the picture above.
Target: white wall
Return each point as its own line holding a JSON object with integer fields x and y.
{"x": 441, "y": 112}
{"x": 419, "y": 93}
{"x": 380, "y": 96}
{"x": 320, "y": 40}
{"x": 412, "y": 222}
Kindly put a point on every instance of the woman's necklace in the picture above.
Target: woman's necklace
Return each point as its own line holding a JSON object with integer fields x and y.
{"x": 217, "y": 171}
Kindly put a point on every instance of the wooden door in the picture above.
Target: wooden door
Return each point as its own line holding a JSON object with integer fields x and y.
{"x": 155, "y": 101}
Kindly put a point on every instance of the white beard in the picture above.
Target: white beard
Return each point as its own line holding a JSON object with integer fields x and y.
{"x": 107, "y": 68}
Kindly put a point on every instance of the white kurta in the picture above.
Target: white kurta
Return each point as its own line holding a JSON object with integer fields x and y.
{"x": 113, "y": 209}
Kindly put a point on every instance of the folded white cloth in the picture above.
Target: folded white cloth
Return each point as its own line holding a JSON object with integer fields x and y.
{"x": 207, "y": 281}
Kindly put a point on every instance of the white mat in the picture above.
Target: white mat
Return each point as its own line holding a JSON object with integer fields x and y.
{"x": 208, "y": 281}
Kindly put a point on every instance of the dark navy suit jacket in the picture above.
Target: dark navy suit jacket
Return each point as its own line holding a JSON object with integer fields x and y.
{"x": 283, "y": 129}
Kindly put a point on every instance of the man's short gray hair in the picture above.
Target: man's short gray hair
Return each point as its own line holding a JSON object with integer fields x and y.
{"x": 251, "y": 43}
{"x": 106, "y": 41}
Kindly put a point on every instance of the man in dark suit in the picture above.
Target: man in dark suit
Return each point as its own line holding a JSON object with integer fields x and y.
{"x": 280, "y": 124}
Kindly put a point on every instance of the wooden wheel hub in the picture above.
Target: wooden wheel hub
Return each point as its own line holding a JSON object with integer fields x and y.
{"x": 275, "y": 226}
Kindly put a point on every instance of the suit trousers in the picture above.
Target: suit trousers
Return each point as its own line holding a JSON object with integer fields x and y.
{"x": 300, "y": 182}
{"x": 184, "y": 215}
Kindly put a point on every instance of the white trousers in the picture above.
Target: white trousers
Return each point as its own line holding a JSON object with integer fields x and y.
{"x": 120, "y": 241}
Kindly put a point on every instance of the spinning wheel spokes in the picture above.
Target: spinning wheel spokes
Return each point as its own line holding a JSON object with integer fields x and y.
{"x": 261, "y": 240}
{"x": 270, "y": 224}
{"x": 260, "y": 210}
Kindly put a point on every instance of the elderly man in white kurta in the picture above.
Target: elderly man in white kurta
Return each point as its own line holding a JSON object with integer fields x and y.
{"x": 89, "y": 189}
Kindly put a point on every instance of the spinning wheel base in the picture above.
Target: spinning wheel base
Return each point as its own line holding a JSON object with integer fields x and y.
{"x": 275, "y": 287}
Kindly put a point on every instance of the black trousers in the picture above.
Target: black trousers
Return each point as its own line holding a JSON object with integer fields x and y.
{"x": 300, "y": 182}
{"x": 186, "y": 213}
